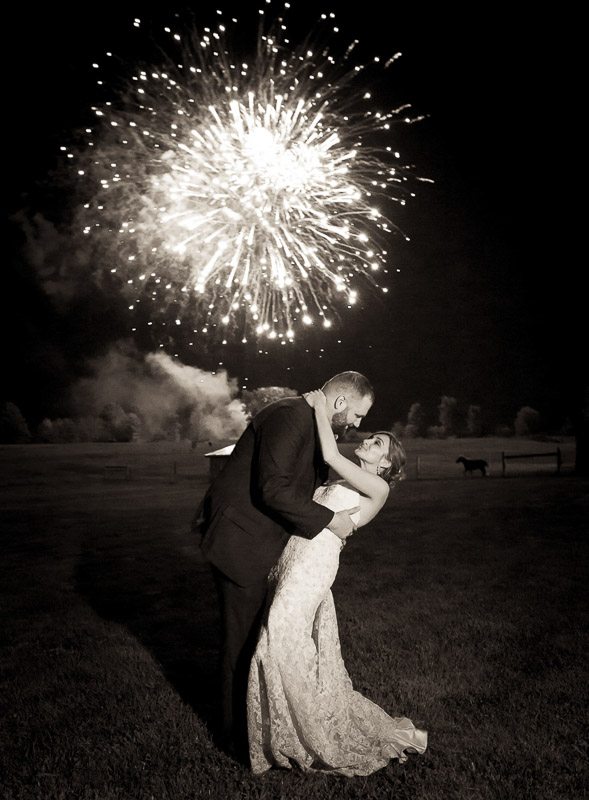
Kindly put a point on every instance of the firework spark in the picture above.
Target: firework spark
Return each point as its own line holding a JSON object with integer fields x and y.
{"x": 243, "y": 191}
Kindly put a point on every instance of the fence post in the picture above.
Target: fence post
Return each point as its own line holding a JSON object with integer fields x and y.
{"x": 503, "y": 464}
{"x": 558, "y": 460}
{"x": 417, "y": 466}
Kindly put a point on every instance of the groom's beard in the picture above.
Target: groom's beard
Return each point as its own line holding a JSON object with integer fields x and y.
{"x": 339, "y": 424}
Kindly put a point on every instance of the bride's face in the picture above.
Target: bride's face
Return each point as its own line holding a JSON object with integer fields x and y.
{"x": 374, "y": 451}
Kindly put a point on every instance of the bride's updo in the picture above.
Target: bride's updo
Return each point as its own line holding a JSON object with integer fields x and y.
{"x": 396, "y": 455}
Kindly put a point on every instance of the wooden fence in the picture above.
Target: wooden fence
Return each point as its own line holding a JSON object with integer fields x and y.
{"x": 505, "y": 457}
{"x": 116, "y": 472}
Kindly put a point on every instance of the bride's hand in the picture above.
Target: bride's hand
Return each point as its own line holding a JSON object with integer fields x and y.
{"x": 315, "y": 398}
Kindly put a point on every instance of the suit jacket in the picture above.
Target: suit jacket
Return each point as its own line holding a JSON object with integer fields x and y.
{"x": 264, "y": 493}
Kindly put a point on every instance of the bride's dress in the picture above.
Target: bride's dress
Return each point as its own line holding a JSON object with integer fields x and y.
{"x": 302, "y": 708}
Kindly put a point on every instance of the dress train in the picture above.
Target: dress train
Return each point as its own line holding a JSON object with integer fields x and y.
{"x": 302, "y": 708}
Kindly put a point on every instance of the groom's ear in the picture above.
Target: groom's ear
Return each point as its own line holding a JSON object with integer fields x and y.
{"x": 340, "y": 402}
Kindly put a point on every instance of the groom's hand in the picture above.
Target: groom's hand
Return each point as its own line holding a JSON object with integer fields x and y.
{"x": 341, "y": 524}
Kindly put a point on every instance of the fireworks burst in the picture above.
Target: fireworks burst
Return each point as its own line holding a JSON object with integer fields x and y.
{"x": 242, "y": 192}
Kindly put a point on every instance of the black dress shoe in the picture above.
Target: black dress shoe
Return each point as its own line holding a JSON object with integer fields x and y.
{"x": 239, "y": 752}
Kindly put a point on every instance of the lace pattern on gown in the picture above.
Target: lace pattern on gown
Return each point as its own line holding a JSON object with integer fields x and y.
{"x": 302, "y": 708}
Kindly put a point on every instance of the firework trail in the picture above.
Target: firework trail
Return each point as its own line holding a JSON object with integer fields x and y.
{"x": 241, "y": 192}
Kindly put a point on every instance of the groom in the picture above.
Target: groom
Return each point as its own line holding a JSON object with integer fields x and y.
{"x": 262, "y": 496}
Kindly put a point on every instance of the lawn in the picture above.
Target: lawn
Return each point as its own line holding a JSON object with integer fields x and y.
{"x": 463, "y": 607}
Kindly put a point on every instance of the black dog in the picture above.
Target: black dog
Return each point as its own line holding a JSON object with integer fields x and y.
{"x": 473, "y": 464}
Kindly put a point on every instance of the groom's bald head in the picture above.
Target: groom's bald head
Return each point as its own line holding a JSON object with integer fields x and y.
{"x": 347, "y": 383}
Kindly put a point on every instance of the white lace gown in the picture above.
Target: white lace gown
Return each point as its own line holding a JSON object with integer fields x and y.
{"x": 302, "y": 708}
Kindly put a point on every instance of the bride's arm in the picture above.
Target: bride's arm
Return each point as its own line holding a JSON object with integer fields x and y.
{"x": 369, "y": 484}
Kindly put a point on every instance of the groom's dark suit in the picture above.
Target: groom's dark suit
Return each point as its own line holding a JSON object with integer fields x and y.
{"x": 261, "y": 497}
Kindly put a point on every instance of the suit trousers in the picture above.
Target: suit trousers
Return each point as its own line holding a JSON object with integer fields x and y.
{"x": 242, "y": 609}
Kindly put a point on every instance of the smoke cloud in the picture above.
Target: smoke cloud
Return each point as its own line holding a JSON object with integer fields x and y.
{"x": 171, "y": 399}
{"x": 61, "y": 260}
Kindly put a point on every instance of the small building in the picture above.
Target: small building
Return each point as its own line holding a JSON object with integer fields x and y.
{"x": 218, "y": 459}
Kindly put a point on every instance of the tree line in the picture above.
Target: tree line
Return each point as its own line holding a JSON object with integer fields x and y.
{"x": 117, "y": 424}
{"x": 456, "y": 420}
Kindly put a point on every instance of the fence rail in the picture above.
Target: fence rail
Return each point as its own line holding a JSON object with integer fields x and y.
{"x": 556, "y": 454}
{"x": 116, "y": 471}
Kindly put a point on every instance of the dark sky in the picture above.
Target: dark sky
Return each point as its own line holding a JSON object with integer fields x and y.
{"x": 483, "y": 308}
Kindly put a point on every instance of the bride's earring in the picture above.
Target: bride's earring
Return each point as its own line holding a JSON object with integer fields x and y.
{"x": 382, "y": 469}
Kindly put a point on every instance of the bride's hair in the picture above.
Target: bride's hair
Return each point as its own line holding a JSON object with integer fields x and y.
{"x": 396, "y": 455}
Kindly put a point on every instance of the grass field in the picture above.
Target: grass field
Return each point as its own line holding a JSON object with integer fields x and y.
{"x": 463, "y": 607}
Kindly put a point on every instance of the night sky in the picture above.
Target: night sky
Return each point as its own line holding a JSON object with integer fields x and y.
{"x": 483, "y": 307}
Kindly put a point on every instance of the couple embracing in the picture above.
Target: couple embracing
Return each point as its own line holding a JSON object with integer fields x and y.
{"x": 273, "y": 529}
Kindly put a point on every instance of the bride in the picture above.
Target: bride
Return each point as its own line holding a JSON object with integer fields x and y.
{"x": 302, "y": 708}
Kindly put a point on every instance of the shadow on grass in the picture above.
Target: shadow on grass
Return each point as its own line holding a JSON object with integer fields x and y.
{"x": 162, "y": 593}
